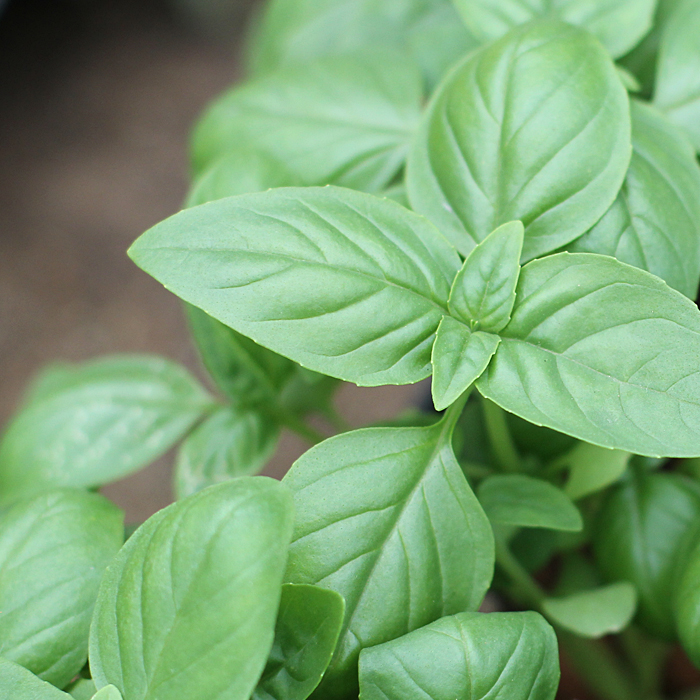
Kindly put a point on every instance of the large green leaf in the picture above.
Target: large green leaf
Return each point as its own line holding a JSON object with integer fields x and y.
{"x": 534, "y": 127}
{"x": 602, "y": 351}
{"x": 471, "y": 656}
{"x": 16, "y": 683}
{"x": 345, "y": 120}
{"x": 643, "y": 534}
{"x": 231, "y": 442}
{"x": 687, "y": 607}
{"x": 655, "y": 221}
{"x": 308, "y": 625}
{"x": 187, "y": 609}
{"x": 678, "y": 70}
{"x": 618, "y": 24}
{"x": 54, "y": 548}
{"x": 107, "y": 418}
{"x": 342, "y": 282}
{"x": 386, "y": 518}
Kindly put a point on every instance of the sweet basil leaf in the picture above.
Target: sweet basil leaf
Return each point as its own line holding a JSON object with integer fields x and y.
{"x": 643, "y": 534}
{"x": 231, "y": 442}
{"x": 54, "y": 548}
{"x": 493, "y": 146}
{"x": 459, "y": 357}
{"x": 19, "y": 684}
{"x": 468, "y": 656}
{"x": 308, "y": 625}
{"x": 604, "y": 352}
{"x": 523, "y": 501}
{"x": 677, "y": 90}
{"x": 483, "y": 293}
{"x": 618, "y": 24}
{"x": 687, "y": 607}
{"x": 345, "y": 120}
{"x": 109, "y": 692}
{"x": 594, "y": 613}
{"x": 385, "y": 517}
{"x": 193, "y": 596}
{"x": 654, "y": 223}
{"x": 344, "y": 283}
{"x": 82, "y": 689}
{"x": 593, "y": 468}
{"x": 112, "y": 417}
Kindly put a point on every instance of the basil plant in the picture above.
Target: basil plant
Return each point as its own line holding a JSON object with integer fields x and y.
{"x": 499, "y": 195}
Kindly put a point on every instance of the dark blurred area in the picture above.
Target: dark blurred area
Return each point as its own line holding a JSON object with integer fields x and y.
{"x": 97, "y": 98}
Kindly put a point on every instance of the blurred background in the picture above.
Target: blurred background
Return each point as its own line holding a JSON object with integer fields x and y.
{"x": 97, "y": 98}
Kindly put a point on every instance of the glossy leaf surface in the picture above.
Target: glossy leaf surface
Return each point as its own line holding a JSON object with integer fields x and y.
{"x": 468, "y": 656}
{"x": 82, "y": 689}
{"x": 523, "y": 501}
{"x": 604, "y": 352}
{"x": 344, "y": 120}
{"x": 654, "y": 223}
{"x": 643, "y": 534}
{"x": 109, "y": 692}
{"x": 342, "y": 282}
{"x": 195, "y": 590}
{"x": 54, "y": 548}
{"x": 677, "y": 89}
{"x": 231, "y": 442}
{"x": 618, "y": 24}
{"x": 19, "y": 684}
{"x": 109, "y": 418}
{"x": 596, "y": 612}
{"x": 459, "y": 357}
{"x": 308, "y": 624}
{"x": 494, "y": 145}
{"x": 385, "y": 517}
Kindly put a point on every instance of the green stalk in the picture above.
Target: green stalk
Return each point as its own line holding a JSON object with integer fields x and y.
{"x": 500, "y": 438}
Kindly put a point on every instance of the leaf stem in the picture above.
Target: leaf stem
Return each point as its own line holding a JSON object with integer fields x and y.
{"x": 500, "y": 438}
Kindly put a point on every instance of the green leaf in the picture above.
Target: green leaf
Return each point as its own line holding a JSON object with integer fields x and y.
{"x": 109, "y": 417}
{"x": 308, "y": 625}
{"x": 109, "y": 692}
{"x": 654, "y": 223}
{"x": 16, "y": 683}
{"x": 468, "y": 656}
{"x": 230, "y": 443}
{"x": 593, "y": 468}
{"x": 604, "y": 352}
{"x": 459, "y": 358}
{"x": 344, "y": 283}
{"x": 643, "y": 534}
{"x": 594, "y": 613}
{"x": 618, "y": 24}
{"x": 493, "y": 146}
{"x": 345, "y": 120}
{"x": 82, "y": 689}
{"x": 386, "y": 518}
{"x": 523, "y": 501}
{"x": 483, "y": 293}
{"x": 687, "y": 607}
{"x": 54, "y": 548}
{"x": 678, "y": 70}
{"x": 193, "y": 595}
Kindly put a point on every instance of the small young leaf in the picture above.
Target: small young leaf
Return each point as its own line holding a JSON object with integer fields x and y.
{"x": 618, "y": 24}
{"x": 604, "y": 352}
{"x": 643, "y": 534}
{"x": 493, "y": 146}
{"x": 231, "y": 442}
{"x": 594, "y": 613}
{"x": 109, "y": 417}
{"x": 483, "y": 293}
{"x": 687, "y": 607}
{"x": 187, "y": 609}
{"x": 344, "y": 283}
{"x": 385, "y": 517}
{"x": 523, "y": 501}
{"x": 16, "y": 683}
{"x": 109, "y": 692}
{"x": 470, "y": 656}
{"x": 82, "y": 689}
{"x": 654, "y": 223}
{"x": 308, "y": 625}
{"x": 343, "y": 120}
{"x": 678, "y": 70}
{"x": 54, "y": 548}
{"x": 459, "y": 358}
{"x": 593, "y": 468}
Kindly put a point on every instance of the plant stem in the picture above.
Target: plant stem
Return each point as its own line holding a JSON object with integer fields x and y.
{"x": 298, "y": 426}
{"x": 499, "y": 436}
